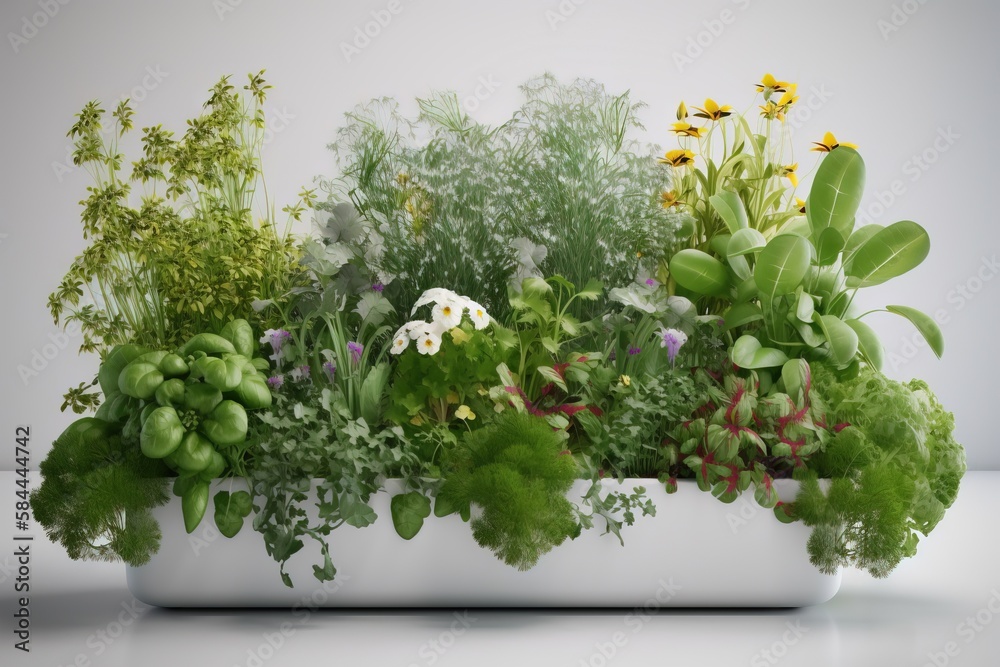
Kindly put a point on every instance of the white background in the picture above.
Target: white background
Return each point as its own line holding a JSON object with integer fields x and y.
{"x": 889, "y": 80}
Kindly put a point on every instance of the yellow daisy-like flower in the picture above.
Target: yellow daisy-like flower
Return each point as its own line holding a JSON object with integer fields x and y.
{"x": 682, "y": 111}
{"x": 768, "y": 84}
{"x": 772, "y": 111}
{"x": 677, "y": 158}
{"x": 688, "y": 130}
{"x": 713, "y": 111}
{"x": 788, "y": 171}
{"x": 464, "y": 412}
{"x": 829, "y": 143}
{"x": 801, "y": 204}
{"x": 789, "y": 98}
{"x": 625, "y": 380}
{"x": 668, "y": 198}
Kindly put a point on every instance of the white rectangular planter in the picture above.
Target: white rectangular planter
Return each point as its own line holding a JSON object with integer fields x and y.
{"x": 696, "y": 552}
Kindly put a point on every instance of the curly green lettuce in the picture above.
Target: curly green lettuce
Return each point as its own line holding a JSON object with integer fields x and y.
{"x": 894, "y": 465}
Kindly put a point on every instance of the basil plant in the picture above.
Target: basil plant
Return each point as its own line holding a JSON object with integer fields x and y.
{"x": 189, "y": 406}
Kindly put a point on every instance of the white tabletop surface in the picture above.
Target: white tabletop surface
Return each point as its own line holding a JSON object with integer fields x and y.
{"x": 942, "y": 608}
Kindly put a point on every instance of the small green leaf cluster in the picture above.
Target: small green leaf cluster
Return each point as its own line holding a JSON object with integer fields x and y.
{"x": 97, "y": 492}
{"x": 516, "y": 473}
{"x": 895, "y": 469}
{"x": 311, "y": 434}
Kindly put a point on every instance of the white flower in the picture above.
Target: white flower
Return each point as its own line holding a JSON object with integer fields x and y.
{"x": 429, "y": 343}
{"x": 448, "y": 313}
{"x": 435, "y": 295}
{"x": 399, "y": 343}
{"x": 480, "y": 318}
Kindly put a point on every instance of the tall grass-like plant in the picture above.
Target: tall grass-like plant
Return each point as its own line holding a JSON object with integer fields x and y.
{"x": 559, "y": 189}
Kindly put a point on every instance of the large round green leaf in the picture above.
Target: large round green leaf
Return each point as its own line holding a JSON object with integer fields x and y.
{"x": 858, "y": 238}
{"x": 842, "y": 338}
{"x": 836, "y": 192}
{"x": 747, "y": 352}
{"x": 744, "y": 242}
{"x": 699, "y": 272}
{"x": 869, "y": 343}
{"x": 890, "y": 252}
{"x": 782, "y": 265}
{"x": 927, "y": 327}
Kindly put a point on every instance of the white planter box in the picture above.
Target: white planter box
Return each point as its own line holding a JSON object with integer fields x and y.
{"x": 696, "y": 552}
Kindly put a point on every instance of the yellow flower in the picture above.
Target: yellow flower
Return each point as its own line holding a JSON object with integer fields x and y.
{"x": 677, "y": 158}
{"x": 459, "y": 336}
{"x": 829, "y": 143}
{"x": 801, "y": 204}
{"x": 625, "y": 380}
{"x": 768, "y": 84}
{"x": 402, "y": 178}
{"x": 789, "y": 98}
{"x": 772, "y": 111}
{"x": 788, "y": 171}
{"x": 713, "y": 111}
{"x": 464, "y": 412}
{"x": 682, "y": 111}
{"x": 688, "y": 130}
{"x": 452, "y": 398}
{"x": 669, "y": 198}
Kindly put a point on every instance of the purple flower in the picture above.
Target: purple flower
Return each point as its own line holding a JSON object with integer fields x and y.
{"x": 301, "y": 373}
{"x": 651, "y": 282}
{"x": 355, "y": 349}
{"x": 673, "y": 340}
{"x": 277, "y": 339}
{"x": 331, "y": 369}
{"x": 632, "y": 351}
{"x": 276, "y": 381}
{"x": 378, "y": 287}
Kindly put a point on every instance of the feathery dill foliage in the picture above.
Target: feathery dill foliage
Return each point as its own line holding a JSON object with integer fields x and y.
{"x": 447, "y": 196}
{"x": 896, "y": 468}
{"x": 97, "y": 492}
{"x": 514, "y": 470}
{"x": 185, "y": 253}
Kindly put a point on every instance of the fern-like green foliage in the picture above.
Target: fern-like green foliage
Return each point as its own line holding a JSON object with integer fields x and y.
{"x": 515, "y": 473}
{"x": 97, "y": 494}
{"x": 561, "y": 188}
{"x": 895, "y": 469}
